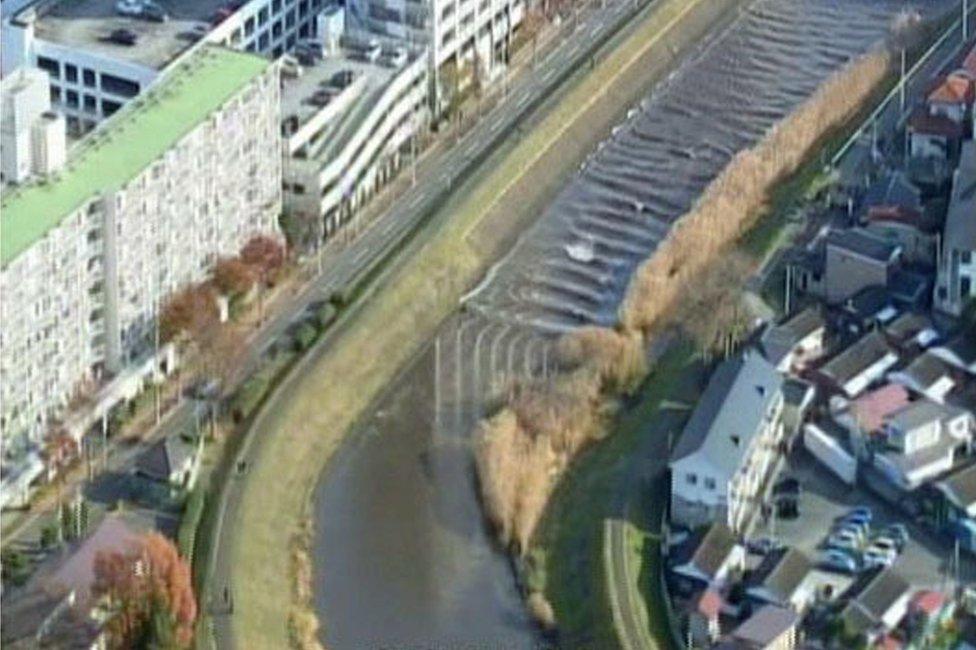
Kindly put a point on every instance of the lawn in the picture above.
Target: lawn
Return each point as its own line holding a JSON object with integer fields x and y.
{"x": 569, "y": 544}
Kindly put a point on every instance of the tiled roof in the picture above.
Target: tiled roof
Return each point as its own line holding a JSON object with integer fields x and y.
{"x": 862, "y": 354}
{"x": 940, "y": 125}
{"x": 872, "y": 408}
{"x": 954, "y": 89}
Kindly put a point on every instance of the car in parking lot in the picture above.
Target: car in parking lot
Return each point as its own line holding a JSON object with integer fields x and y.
{"x": 860, "y": 512}
{"x": 898, "y": 533}
{"x": 839, "y": 561}
{"x": 861, "y": 530}
{"x": 763, "y": 545}
{"x": 843, "y": 540}
{"x": 875, "y": 557}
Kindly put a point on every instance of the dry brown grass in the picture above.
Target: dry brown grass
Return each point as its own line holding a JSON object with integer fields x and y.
{"x": 524, "y": 447}
{"x": 732, "y": 202}
{"x": 541, "y": 610}
{"x": 303, "y": 624}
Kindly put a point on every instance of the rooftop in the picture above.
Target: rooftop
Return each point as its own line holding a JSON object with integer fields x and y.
{"x": 861, "y": 355}
{"x": 342, "y": 89}
{"x": 871, "y": 596}
{"x": 960, "y": 487}
{"x": 873, "y": 407}
{"x": 709, "y": 550}
{"x": 938, "y": 125}
{"x": 863, "y": 243}
{"x": 780, "y": 574}
{"x": 778, "y": 340}
{"x": 730, "y": 410}
{"x": 85, "y": 24}
{"x": 107, "y": 159}
{"x": 766, "y": 626}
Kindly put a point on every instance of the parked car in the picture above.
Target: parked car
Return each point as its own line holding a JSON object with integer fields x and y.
{"x": 843, "y": 540}
{"x": 885, "y": 545}
{"x": 898, "y": 533}
{"x": 155, "y": 13}
{"x": 764, "y": 545}
{"x": 787, "y": 486}
{"x": 835, "y": 560}
{"x": 122, "y": 37}
{"x": 128, "y": 7}
{"x": 860, "y": 512}
{"x": 862, "y": 530}
{"x": 875, "y": 558}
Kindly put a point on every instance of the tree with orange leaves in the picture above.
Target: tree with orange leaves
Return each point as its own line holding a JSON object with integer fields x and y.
{"x": 265, "y": 255}
{"x": 148, "y": 593}
{"x": 233, "y": 276}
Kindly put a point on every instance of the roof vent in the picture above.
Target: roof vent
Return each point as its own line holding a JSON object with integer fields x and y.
{"x": 735, "y": 440}
{"x": 761, "y": 390}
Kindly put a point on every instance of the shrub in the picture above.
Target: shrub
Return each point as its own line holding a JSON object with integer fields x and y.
{"x": 249, "y": 395}
{"x": 304, "y": 337}
{"x": 190, "y": 523}
{"x": 325, "y": 316}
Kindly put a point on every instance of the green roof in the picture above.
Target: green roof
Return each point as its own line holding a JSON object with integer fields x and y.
{"x": 127, "y": 143}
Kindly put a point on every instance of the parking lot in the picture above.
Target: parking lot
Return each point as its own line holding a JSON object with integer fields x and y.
{"x": 927, "y": 557}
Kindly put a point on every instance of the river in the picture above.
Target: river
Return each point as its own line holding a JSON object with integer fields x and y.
{"x": 410, "y": 563}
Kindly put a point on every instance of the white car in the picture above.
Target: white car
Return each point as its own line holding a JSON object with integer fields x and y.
{"x": 875, "y": 557}
{"x": 129, "y": 7}
{"x": 885, "y": 545}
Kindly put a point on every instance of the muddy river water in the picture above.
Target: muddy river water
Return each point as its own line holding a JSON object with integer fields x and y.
{"x": 406, "y": 560}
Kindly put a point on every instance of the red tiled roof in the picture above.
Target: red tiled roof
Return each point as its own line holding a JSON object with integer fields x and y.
{"x": 954, "y": 89}
{"x": 709, "y": 604}
{"x": 871, "y": 408}
{"x": 926, "y": 124}
{"x": 888, "y": 642}
{"x": 927, "y": 602}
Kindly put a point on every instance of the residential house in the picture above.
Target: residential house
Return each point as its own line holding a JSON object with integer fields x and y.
{"x": 911, "y": 332}
{"x": 912, "y": 229}
{"x": 892, "y": 190}
{"x": 923, "y": 440}
{"x": 953, "y": 97}
{"x": 793, "y": 344}
{"x": 842, "y": 263}
{"x": 833, "y": 449}
{"x": 173, "y": 460}
{"x": 869, "y": 411}
{"x": 784, "y": 579}
{"x": 927, "y": 375}
{"x": 933, "y": 136}
{"x": 798, "y": 396}
{"x": 864, "y": 362}
{"x": 956, "y": 281}
{"x": 869, "y": 308}
{"x": 959, "y": 493}
{"x": 710, "y": 557}
{"x": 730, "y": 448}
{"x": 876, "y": 603}
{"x": 960, "y": 352}
{"x": 770, "y": 628}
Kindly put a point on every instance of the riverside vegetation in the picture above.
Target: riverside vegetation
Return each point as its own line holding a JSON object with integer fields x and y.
{"x": 527, "y": 444}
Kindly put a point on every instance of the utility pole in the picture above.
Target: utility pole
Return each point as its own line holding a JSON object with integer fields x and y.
{"x": 156, "y": 382}
{"x": 901, "y": 83}
{"x": 965, "y": 20}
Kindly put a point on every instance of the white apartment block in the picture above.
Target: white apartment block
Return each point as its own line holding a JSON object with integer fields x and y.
{"x": 92, "y": 75}
{"x": 453, "y": 30}
{"x": 31, "y": 135}
{"x": 187, "y": 172}
{"x": 348, "y": 124}
{"x": 730, "y": 449}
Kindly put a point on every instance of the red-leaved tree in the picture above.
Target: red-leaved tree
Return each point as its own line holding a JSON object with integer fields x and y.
{"x": 233, "y": 276}
{"x": 265, "y": 255}
{"x": 134, "y": 584}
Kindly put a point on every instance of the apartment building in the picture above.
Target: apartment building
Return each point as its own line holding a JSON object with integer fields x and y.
{"x": 32, "y": 136}
{"x": 185, "y": 173}
{"x": 454, "y": 31}
{"x": 730, "y": 448}
{"x": 98, "y": 59}
{"x": 348, "y": 124}
{"x": 956, "y": 281}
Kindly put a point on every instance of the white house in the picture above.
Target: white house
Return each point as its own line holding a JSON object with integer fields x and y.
{"x": 876, "y": 603}
{"x": 711, "y": 558}
{"x": 927, "y": 375}
{"x": 956, "y": 282}
{"x": 730, "y": 447}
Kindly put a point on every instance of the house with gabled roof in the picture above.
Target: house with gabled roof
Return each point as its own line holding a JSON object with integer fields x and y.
{"x": 863, "y": 362}
{"x": 709, "y": 557}
{"x": 876, "y": 603}
{"x": 927, "y": 375}
{"x": 797, "y": 341}
{"x": 784, "y": 579}
{"x": 731, "y": 446}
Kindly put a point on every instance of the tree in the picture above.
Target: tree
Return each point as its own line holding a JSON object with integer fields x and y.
{"x": 265, "y": 255}
{"x": 149, "y": 595}
{"x": 233, "y": 277}
{"x": 188, "y": 312}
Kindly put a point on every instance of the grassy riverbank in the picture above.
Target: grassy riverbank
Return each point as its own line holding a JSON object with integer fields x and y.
{"x": 304, "y": 423}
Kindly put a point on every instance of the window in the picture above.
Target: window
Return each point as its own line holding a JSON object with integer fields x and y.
{"x": 276, "y": 30}
{"x": 966, "y": 257}
{"x": 709, "y": 484}
{"x": 263, "y": 16}
{"x": 263, "y": 41}
{"x": 303, "y": 8}
{"x": 249, "y": 26}
{"x": 72, "y": 100}
{"x": 71, "y": 73}
{"x": 692, "y": 478}
{"x": 965, "y": 287}
{"x": 110, "y": 107}
{"x": 91, "y": 104}
{"x": 275, "y": 6}
{"x": 89, "y": 77}
{"x": 50, "y": 66}
{"x": 119, "y": 86}
{"x": 55, "y": 95}
{"x": 448, "y": 37}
